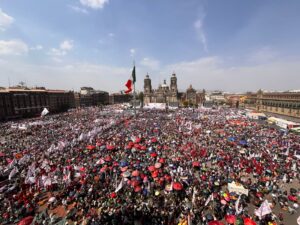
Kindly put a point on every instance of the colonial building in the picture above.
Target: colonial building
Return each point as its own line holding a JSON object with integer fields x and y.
{"x": 164, "y": 93}
{"x": 235, "y": 100}
{"x": 90, "y": 97}
{"x": 118, "y": 98}
{"x": 193, "y": 97}
{"x": 277, "y": 103}
{"x": 18, "y": 102}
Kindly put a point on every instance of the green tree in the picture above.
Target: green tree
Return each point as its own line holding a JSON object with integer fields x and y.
{"x": 185, "y": 104}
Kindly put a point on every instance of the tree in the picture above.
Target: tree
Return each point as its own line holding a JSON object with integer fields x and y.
{"x": 185, "y": 104}
{"x": 141, "y": 97}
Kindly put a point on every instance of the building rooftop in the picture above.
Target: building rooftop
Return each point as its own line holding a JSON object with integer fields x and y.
{"x": 295, "y": 91}
{"x": 18, "y": 89}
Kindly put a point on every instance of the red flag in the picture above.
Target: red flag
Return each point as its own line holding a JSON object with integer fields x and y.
{"x": 129, "y": 86}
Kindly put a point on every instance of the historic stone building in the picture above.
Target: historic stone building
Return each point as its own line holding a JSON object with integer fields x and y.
{"x": 277, "y": 103}
{"x": 18, "y": 102}
{"x": 192, "y": 97}
{"x": 164, "y": 93}
{"x": 90, "y": 97}
{"x": 118, "y": 98}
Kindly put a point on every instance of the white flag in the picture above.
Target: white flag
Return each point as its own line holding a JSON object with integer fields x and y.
{"x": 24, "y": 159}
{"x": 210, "y": 198}
{"x": 52, "y": 148}
{"x": 119, "y": 187}
{"x": 298, "y": 220}
{"x": 287, "y": 152}
{"x": 238, "y": 210}
{"x": 61, "y": 145}
{"x": 13, "y": 173}
{"x": 81, "y": 137}
{"x": 47, "y": 182}
{"x": 66, "y": 175}
{"x": 30, "y": 178}
{"x": 44, "y": 112}
{"x": 194, "y": 196}
{"x": 284, "y": 179}
{"x": 263, "y": 210}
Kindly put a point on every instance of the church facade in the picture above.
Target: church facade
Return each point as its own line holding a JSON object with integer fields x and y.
{"x": 164, "y": 93}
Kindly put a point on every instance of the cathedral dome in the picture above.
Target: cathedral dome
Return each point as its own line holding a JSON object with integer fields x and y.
{"x": 164, "y": 85}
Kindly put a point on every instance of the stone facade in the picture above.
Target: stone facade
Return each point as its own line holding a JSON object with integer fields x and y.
{"x": 164, "y": 93}
{"x": 90, "y": 97}
{"x": 18, "y": 102}
{"x": 280, "y": 103}
{"x": 118, "y": 98}
{"x": 192, "y": 97}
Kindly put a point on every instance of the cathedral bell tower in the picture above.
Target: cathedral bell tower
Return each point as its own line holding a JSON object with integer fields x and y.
{"x": 173, "y": 85}
{"x": 147, "y": 85}
{"x": 147, "y": 90}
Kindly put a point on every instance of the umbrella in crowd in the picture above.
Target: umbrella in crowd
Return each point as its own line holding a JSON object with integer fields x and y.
{"x": 230, "y": 219}
{"x": 248, "y": 221}
{"x": 26, "y": 221}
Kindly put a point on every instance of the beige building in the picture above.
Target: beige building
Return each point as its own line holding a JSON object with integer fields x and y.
{"x": 280, "y": 103}
{"x": 235, "y": 100}
{"x": 164, "y": 93}
{"x": 193, "y": 97}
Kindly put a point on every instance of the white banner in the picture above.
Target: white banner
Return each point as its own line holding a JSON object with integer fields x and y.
{"x": 239, "y": 189}
{"x": 263, "y": 210}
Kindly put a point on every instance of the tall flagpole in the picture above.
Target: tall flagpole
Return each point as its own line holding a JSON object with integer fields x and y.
{"x": 134, "y": 94}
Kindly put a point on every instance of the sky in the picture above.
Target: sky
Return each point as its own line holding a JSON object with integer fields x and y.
{"x": 231, "y": 45}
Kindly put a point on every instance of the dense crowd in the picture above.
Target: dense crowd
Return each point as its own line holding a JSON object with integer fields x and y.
{"x": 106, "y": 166}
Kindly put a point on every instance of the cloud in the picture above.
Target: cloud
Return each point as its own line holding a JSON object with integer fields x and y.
{"x": 67, "y": 45}
{"x": 198, "y": 26}
{"x": 132, "y": 52}
{"x": 107, "y": 39}
{"x": 13, "y": 47}
{"x": 57, "y": 52}
{"x": 5, "y": 20}
{"x": 64, "y": 48}
{"x": 37, "y": 48}
{"x": 94, "y": 4}
{"x": 263, "y": 55}
{"x": 150, "y": 63}
{"x": 78, "y": 9}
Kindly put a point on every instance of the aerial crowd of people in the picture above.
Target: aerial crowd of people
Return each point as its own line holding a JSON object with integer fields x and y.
{"x": 106, "y": 166}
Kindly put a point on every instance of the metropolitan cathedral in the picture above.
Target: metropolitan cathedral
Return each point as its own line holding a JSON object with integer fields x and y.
{"x": 164, "y": 93}
{"x": 170, "y": 94}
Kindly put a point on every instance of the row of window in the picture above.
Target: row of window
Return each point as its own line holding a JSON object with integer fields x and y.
{"x": 282, "y": 96}
{"x": 18, "y": 104}
{"x": 282, "y": 110}
{"x": 292, "y": 105}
